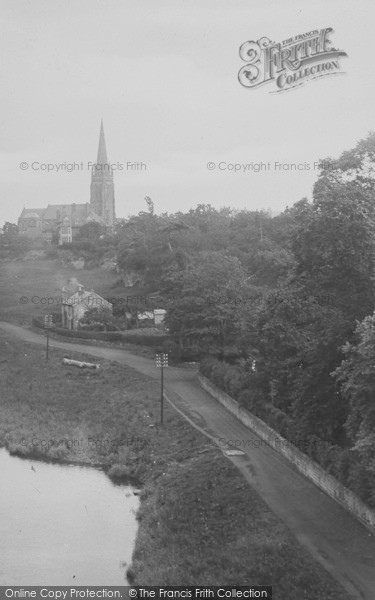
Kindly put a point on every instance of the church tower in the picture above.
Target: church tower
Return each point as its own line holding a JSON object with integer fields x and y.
{"x": 102, "y": 191}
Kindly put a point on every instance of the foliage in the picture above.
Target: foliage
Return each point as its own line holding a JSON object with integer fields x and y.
{"x": 99, "y": 319}
{"x": 356, "y": 378}
{"x": 12, "y": 244}
{"x": 91, "y": 231}
{"x": 197, "y": 300}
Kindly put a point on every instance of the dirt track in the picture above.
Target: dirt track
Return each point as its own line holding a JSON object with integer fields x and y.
{"x": 335, "y": 538}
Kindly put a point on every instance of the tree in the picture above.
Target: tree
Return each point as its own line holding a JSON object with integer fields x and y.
{"x": 356, "y": 376}
{"x": 143, "y": 248}
{"x": 150, "y": 205}
{"x": 334, "y": 241}
{"x": 13, "y": 245}
{"x": 99, "y": 316}
{"x": 292, "y": 336}
{"x": 201, "y": 302}
{"x": 356, "y": 379}
{"x": 91, "y": 231}
{"x": 253, "y": 239}
{"x": 10, "y": 230}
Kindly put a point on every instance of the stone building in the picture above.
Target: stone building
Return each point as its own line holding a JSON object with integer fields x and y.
{"x": 74, "y": 307}
{"x": 65, "y": 220}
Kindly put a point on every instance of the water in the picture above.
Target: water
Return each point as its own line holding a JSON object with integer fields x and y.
{"x": 63, "y": 525}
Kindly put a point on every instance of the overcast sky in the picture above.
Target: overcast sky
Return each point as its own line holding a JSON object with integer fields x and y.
{"x": 163, "y": 76}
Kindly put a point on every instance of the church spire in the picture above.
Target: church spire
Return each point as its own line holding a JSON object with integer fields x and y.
{"x": 102, "y": 152}
{"x": 102, "y": 195}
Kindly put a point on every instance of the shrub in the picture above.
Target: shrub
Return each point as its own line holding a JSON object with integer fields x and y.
{"x": 57, "y": 318}
{"x": 229, "y": 378}
{"x": 51, "y": 253}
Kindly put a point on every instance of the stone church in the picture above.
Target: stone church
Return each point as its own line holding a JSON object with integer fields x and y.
{"x": 63, "y": 221}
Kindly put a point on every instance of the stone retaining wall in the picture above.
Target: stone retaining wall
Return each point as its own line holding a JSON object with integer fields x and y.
{"x": 302, "y": 462}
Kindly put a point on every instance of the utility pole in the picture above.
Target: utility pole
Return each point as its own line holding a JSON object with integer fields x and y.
{"x": 47, "y": 326}
{"x": 162, "y": 362}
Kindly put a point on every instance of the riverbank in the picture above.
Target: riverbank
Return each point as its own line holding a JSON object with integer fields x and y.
{"x": 199, "y": 522}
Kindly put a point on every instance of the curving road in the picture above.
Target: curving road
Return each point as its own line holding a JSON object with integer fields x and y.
{"x": 336, "y": 539}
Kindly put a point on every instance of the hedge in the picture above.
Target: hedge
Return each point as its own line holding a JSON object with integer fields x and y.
{"x": 142, "y": 339}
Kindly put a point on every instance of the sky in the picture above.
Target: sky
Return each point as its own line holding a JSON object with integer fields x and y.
{"x": 163, "y": 76}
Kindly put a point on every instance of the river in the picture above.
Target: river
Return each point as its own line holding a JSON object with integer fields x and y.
{"x": 63, "y": 525}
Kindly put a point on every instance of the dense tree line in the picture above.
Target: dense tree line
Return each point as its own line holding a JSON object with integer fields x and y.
{"x": 279, "y": 309}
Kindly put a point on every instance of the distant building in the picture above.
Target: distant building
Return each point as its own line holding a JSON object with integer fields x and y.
{"x": 65, "y": 220}
{"x": 74, "y": 307}
{"x": 159, "y": 315}
{"x": 151, "y": 317}
{"x": 31, "y": 222}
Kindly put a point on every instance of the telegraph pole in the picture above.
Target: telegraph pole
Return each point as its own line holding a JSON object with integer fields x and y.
{"x": 47, "y": 326}
{"x": 162, "y": 362}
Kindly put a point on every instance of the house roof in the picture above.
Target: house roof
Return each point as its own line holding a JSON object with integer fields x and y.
{"x": 90, "y": 298}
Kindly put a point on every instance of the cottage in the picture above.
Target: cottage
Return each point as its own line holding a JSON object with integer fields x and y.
{"x": 75, "y": 306}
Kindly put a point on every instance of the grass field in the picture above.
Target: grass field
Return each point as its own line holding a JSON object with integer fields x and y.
{"x": 45, "y": 279}
{"x": 199, "y": 521}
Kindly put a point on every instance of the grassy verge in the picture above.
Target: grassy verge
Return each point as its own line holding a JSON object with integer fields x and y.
{"x": 199, "y": 522}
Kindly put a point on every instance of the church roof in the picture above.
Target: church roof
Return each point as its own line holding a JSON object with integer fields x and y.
{"x": 59, "y": 211}
{"x": 78, "y": 214}
{"x": 32, "y": 213}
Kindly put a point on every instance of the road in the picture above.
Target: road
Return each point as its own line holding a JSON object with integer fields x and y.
{"x": 336, "y": 539}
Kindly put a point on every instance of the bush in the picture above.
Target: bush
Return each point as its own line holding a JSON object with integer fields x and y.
{"x": 51, "y": 253}
{"x": 92, "y": 326}
{"x": 57, "y": 318}
{"x": 229, "y": 378}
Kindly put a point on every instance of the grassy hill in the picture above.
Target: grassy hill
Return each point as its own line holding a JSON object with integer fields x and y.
{"x": 24, "y": 283}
